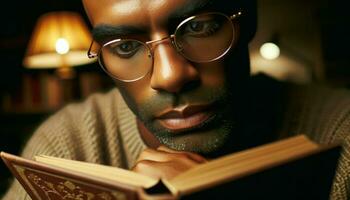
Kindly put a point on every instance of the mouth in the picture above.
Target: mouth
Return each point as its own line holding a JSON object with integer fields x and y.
{"x": 185, "y": 118}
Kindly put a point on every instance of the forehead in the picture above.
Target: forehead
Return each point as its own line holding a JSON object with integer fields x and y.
{"x": 135, "y": 11}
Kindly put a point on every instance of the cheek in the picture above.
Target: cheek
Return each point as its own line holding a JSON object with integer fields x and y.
{"x": 212, "y": 74}
{"x": 136, "y": 93}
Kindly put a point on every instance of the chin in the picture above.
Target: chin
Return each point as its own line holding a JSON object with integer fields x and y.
{"x": 204, "y": 142}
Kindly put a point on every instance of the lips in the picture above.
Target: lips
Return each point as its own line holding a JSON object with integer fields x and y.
{"x": 185, "y": 117}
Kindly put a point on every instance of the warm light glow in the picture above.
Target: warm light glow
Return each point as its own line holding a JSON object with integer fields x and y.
{"x": 57, "y": 33}
{"x": 269, "y": 51}
{"x": 62, "y": 46}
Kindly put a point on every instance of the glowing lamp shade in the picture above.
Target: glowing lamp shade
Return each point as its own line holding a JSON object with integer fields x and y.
{"x": 60, "y": 39}
{"x": 269, "y": 51}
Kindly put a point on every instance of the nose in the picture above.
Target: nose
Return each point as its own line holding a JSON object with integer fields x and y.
{"x": 171, "y": 71}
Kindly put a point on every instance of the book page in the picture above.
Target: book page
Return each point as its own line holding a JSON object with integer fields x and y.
{"x": 240, "y": 164}
{"x": 101, "y": 171}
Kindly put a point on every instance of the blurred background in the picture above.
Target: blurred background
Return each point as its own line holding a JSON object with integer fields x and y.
{"x": 313, "y": 38}
{"x": 308, "y": 42}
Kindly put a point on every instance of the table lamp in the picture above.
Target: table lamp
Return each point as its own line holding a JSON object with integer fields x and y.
{"x": 59, "y": 40}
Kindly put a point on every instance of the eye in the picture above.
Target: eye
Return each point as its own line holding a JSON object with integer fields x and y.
{"x": 125, "y": 49}
{"x": 202, "y": 26}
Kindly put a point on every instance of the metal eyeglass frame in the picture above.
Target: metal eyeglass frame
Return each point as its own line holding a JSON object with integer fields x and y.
{"x": 172, "y": 38}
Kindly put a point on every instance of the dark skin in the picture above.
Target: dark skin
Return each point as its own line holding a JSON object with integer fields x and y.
{"x": 201, "y": 94}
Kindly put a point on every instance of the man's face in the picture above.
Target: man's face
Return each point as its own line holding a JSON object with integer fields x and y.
{"x": 187, "y": 106}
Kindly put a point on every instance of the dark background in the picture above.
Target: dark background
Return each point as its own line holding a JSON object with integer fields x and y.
{"x": 17, "y": 124}
{"x": 317, "y": 31}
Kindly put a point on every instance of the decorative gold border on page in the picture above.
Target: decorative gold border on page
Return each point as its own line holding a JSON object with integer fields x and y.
{"x": 67, "y": 189}
{"x": 20, "y": 171}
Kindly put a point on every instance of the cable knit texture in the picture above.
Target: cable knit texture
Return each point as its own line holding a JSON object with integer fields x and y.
{"x": 103, "y": 130}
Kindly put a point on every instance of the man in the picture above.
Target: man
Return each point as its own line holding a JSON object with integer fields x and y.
{"x": 184, "y": 93}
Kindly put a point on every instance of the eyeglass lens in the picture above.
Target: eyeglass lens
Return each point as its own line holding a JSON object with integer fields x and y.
{"x": 201, "y": 38}
{"x": 126, "y": 59}
{"x": 204, "y": 38}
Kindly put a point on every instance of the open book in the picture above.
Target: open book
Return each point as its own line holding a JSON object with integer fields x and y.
{"x": 292, "y": 168}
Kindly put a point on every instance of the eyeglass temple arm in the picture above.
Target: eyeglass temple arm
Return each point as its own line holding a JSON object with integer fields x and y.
{"x": 91, "y": 54}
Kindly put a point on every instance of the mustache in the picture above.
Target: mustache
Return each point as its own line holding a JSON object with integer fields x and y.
{"x": 163, "y": 100}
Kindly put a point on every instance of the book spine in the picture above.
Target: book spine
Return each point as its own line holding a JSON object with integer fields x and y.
{"x": 143, "y": 195}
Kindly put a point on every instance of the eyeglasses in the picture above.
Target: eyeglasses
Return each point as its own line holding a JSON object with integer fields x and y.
{"x": 200, "y": 38}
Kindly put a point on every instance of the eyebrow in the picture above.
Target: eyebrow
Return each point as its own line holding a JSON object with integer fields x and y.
{"x": 103, "y": 32}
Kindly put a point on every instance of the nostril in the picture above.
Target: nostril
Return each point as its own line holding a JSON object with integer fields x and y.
{"x": 190, "y": 86}
{"x": 177, "y": 81}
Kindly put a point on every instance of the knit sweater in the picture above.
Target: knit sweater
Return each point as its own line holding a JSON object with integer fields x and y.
{"x": 103, "y": 130}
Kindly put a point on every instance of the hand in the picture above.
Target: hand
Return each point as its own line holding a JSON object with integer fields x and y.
{"x": 166, "y": 163}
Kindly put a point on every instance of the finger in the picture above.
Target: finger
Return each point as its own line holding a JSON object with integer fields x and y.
{"x": 155, "y": 155}
{"x": 193, "y": 156}
{"x": 162, "y": 169}
{"x": 163, "y": 156}
{"x": 148, "y": 168}
{"x": 166, "y": 149}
